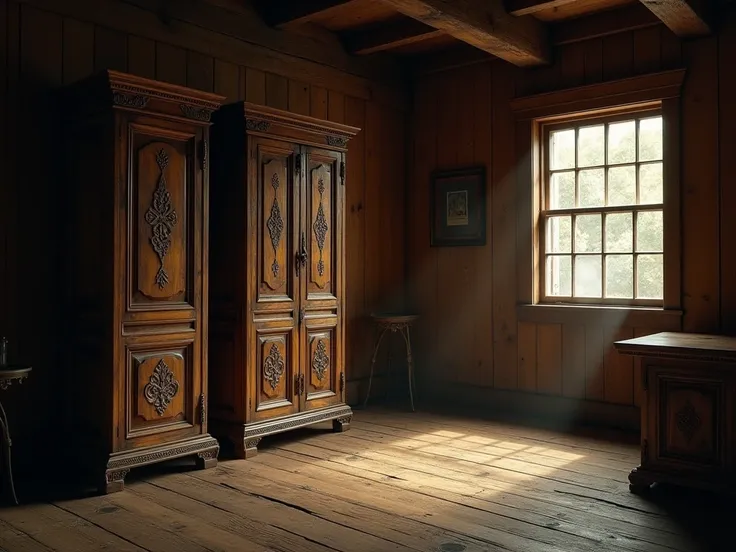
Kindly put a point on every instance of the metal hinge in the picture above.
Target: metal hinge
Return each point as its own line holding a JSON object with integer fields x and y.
{"x": 342, "y": 173}
{"x": 298, "y": 163}
{"x": 204, "y": 150}
{"x": 202, "y": 411}
{"x": 342, "y": 381}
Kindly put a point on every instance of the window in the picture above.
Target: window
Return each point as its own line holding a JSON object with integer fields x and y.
{"x": 602, "y": 212}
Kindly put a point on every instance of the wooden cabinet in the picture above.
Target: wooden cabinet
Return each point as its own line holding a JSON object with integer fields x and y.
{"x": 136, "y": 350}
{"x": 277, "y": 268}
{"x": 687, "y": 413}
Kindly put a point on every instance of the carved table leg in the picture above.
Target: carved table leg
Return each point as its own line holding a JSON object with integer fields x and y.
{"x": 7, "y": 443}
{"x": 114, "y": 481}
{"x": 373, "y": 364}
{"x": 250, "y": 447}
{"x": 206, "y": 459}
{"x": 340, "y": 425}
{"x": 638, "y": 482}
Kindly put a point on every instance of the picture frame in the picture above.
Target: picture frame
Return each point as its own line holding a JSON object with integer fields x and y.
{"x": 458, "y": 207}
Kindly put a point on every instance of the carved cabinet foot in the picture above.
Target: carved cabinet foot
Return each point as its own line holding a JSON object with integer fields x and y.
{"x": 341, "y": 424}
{"x": 114, "y": 481}
{"x": 250, "y": 447}
{"x": 206, "y": 459}
{"x": 639, "y": 483}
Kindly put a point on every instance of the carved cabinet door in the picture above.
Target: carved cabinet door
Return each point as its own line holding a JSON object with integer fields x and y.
{"x": 689, "y": 425}
{"x": 322, "y": 279}
{"x": 273, "y": 228}
{"x": 159, "y": 252}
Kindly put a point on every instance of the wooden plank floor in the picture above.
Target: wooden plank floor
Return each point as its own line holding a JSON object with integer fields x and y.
{"x": 395, "y": 481}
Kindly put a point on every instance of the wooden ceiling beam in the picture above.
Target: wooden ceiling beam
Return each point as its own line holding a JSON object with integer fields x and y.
{"x": 285, "y": 13}
{"x": 484, "y": 24}
{"x": 685, "y": 18}
{"x": 527, "y": 7}
{"x": 387, "y": 36}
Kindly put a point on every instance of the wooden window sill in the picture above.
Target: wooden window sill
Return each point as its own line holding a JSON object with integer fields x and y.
{"x": 640, "y": 317}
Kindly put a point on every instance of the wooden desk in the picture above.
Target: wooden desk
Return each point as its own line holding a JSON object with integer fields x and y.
{"x": 687, "y": 411}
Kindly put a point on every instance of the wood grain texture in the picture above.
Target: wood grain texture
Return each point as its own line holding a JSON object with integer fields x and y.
{"x": 45, "y": 49}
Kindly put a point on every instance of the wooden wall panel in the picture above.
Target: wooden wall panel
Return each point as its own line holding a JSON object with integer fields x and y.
{"x": 560, "y": 355}
{"x": 47, "y": 44}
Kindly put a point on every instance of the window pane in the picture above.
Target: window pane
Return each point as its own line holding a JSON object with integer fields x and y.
{"x": 562, "y": 149}
{"x": 622, "y": 142}
{"x": 559, "y": 276}
{"x": 649, "y": 231}
{"x": 619, "y": 233}
{"x": 559, "y": 235}
{"x": 562, "y": 190}
{"x": 650, "y": 139}
{"x": 622, "y": 185}
{"x": 620, "y": 276}
{"x": 588, "y": 233}
{"x": 591, "y": 146}
{"x": 591, "y": 188}
{"x": 588, "y": 276}
{"x": 649, "y": 277}
{"x": 650, "y": 183}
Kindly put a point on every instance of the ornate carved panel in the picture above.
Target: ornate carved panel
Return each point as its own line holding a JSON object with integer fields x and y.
{"x": 690, "y": 420}
{"x": 321, "y": 217}
{"x": 159, "y": 243}
{"x": 158, "y": 389}
{"x": 276, "y": 211}
{"x": 321, "y": 361}
{"x": 274, "y": 358}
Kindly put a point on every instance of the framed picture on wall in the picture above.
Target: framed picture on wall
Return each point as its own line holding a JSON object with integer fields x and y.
{"x": 458, "y": 207}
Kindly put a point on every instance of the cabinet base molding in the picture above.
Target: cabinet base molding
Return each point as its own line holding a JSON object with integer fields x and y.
{"x": 205, "y": 449}
{"x": 641, "y": 479}
{"x": 247, "y": 446}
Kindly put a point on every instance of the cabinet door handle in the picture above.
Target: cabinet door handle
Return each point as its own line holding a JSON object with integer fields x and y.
{"x": 302, "y": 314}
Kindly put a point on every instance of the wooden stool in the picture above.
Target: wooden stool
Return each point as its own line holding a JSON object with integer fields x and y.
{"x": 395, "y": 323}
{"x": 8, "y": 373}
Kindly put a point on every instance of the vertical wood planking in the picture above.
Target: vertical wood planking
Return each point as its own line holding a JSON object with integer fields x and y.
{"x": 594, "y": 371}
{"x": 336, "y": 106}
{"x": 573, "y": 360}
{"x": 6, "y": 207}
{"x": 527, "y": 356}
{"x": 594, "y": 61}
{"x": 647, "y": 50}
{"x": 549, "y": 358}
{"x": 227, "y": 81}
{"x": 111, "y": 49}
{"x": 318, "y": 104}
{"x": 78, "y": 50}
{"x": 299, "y": 101}
{"x": 504, "y": 230}
{"x": 200, "y": 71}
{"x": 572, "y": 64}
{"x": 171, "y": 64}
{"x": 484, "y": 267}
{"x": 727, "y": 143}
{"x": 142, "y": 57}
{"x": 700, "y": 226}
{"x": 358, "y": 352}
{"x": 618, "y": 56}
{"x": 618, "y": 369}
{"x": 10, "y": 194}
{"x": 255, "y": 86}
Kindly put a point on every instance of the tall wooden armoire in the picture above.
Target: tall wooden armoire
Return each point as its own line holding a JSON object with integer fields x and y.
{"x": 277, "y": 274}
{"x": 137, "y": 160}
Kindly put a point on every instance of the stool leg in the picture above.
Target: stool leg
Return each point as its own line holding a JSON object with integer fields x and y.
{"x": 373, "y": 364}
{"x": 6, "y": 446}
{"x": 409, "y": 363}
